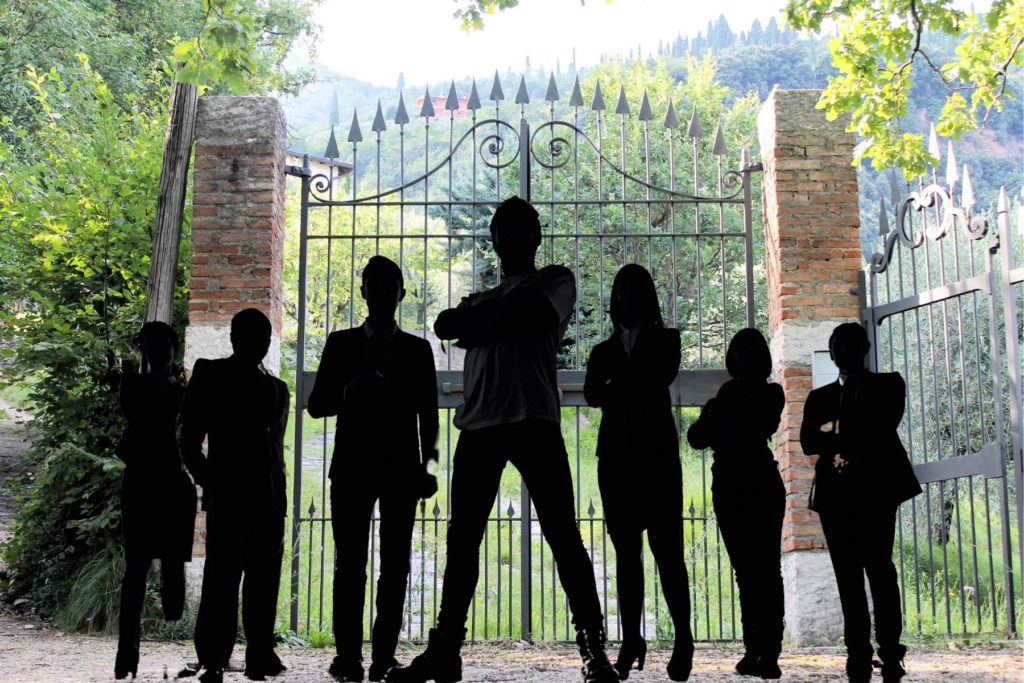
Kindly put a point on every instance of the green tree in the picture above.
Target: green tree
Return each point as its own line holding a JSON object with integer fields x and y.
{"x": 878, "y": 47}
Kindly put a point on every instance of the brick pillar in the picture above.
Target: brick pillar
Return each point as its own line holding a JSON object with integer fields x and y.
{"x": 237, "y": 222}
{"x": 813, "y": 256}
{"x": 237, "y": 231}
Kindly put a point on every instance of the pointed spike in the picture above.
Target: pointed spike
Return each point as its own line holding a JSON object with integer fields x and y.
{"x": 474, "y": 98}
{"x": 378, "y": 120}
{"x": 646, "y": 113}
{"x": 497, "y": 94}
{"x": 894, "y": 188}
{"x": 933, "y": 145}
{"x": 719, "y": 147}
{"x": 591, "y": 510}
{"x": 696, "y": 130}
{"x": 952, "y": 171}
{"x": 883, "y": 219}
{"x": 511, "y": 510}
{"x": 576, "y": 99}
{"x": 552, "y": 92}
{"x": 622, "y": 106}
{"x": 693, "y": 510}
{"x": 598, "y": 103}
{"x": 332, "y": 146}
{"x": 427, "y": 110}
{"x": 437, "y": 509}
{"x": 452, "y": 103}
{"x": 312, "y": 508}
{"x": 354, "y": 134}
{"x": 522, "y": 97}
{"x": 967, "y": 191}
{"x": 1004, "y": 204}
{"x": 401, "y": 116}
{"x": 671, "y": 119}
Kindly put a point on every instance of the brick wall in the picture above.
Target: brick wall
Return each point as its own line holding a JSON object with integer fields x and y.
{"x": 237, "y": 227}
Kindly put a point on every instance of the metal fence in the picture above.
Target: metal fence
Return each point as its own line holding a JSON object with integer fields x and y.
{"x": 612, "y": 187}
{"x": 944, "y": 303}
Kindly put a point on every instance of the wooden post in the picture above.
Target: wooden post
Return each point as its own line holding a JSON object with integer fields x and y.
{"x": 163, "y": 265}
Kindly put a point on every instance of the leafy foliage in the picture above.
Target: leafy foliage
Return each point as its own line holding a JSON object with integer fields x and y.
{"x": 76, "y": 212}
{"x": 878, "y": 47}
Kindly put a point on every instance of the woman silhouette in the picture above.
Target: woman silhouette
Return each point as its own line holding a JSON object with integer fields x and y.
{"x": 748, "y": 494}
{"x": 158, "y": 500}
{"x": 639, "y": 474}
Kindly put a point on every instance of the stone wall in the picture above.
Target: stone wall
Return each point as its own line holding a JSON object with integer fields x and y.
{"x": 813, "y": 257}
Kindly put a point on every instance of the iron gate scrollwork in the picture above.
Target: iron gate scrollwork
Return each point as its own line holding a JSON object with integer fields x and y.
{"x": 691, "y": 227}
{"x": 942, "y": 312}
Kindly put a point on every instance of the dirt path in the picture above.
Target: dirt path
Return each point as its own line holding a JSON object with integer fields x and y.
{"x": 14, "y": 434}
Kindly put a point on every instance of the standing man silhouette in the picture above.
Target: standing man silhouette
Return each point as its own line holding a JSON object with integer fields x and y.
{"x": 861, "y": 477}
{"x": 381, "y": 383}
{"x": 511, "y": 414}
{"x": 242, "y": 411}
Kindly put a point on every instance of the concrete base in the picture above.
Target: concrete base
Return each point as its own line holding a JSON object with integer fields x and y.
{"x": 813, "y": 613}
{"x": 213, "y": 340}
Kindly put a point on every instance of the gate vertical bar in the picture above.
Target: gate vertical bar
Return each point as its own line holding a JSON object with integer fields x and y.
{"x": 746, "y": 168}
{"x": 526, "y": 534}
{"x": 1000, "y": 439}
{"x": 1013, "y": 365}
{"x": 300, "y": 349}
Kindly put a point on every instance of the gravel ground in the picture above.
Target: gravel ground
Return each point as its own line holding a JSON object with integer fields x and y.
{"x": 29, "y": 652}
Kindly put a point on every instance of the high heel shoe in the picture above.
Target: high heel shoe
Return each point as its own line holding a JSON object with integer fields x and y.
{"x": 681, "y": 664}
{"x": 632, "y": 650}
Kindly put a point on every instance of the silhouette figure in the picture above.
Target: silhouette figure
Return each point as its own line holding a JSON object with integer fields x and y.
{"x": 638, "y": 470}
{"x": 511, "y": 414}
{"x": 158, "y": 500}
{"x": 242, "y": 411}
{"x": 860, "y": 478}
{"x": 381, "y": 383}
{"x": 748, "y": 494}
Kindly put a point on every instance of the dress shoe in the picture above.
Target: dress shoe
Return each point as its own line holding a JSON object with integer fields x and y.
{"x": 681, "y": 664}
{"x": 345, "y": 669}
{"x": 440, "y": 662}
{"x": 632, "y": 650}
{"x": 747, "y": 666}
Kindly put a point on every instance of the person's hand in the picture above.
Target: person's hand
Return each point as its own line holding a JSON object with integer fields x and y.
{"x": 426, "y": 487}
{"x": 829, "y": 426}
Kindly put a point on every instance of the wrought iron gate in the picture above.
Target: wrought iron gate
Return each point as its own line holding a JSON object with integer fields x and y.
{"x": 611, "y": 189}
{"x": 944, "y": 302}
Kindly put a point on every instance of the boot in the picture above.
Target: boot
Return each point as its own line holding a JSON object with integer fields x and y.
{"x": 596, "y": 667}
{"x": 681, "y": 663}
{"x": 440, "y": 662}
{"x": 892, "y": 663}
{"x": 747, "y": 666}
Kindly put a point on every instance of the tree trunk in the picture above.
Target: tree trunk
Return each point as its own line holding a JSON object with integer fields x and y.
{"x": 163, "y": 265}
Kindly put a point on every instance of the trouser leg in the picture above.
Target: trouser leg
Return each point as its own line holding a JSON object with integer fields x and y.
{"x": 770, "y": 592}
{"x": 884, "y": 581}
{"x": 133, "y": 595}
{"x": 217, "y": 621}
{"x": 737, "y": 538}
{"x": 172, "y": 588}
{"x": 398, "y": 514}
{"x": 264, "y": 552}
{"x": 351, "y": 510}
{"x": 848, "y": 564}
{"x": 629, "y": 577}
{"x": 541, "y": 459}
{"x": 478, "y": 463}
{"x": 666, "y": 542}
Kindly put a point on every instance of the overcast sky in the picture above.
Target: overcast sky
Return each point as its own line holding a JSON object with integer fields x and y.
{"x": 375, "y": 41}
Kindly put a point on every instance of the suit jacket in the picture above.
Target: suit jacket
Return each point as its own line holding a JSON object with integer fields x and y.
{"x": 633, "y": 392}
{"x": 242, "y": 411}
{"x": 390, "y": 422}
{"x": 865, "y": 413}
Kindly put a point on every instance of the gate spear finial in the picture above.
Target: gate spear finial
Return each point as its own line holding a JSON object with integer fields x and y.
{"x": 378, "y": 120}
{"x": 622, "y": 106}
{"x": 576, "y": 98}
{"x": 671, "y": 119}
{"x": 401, "y": 116}
{"x": 646, "y": 113}
{"x": 354, "y": 133}
{"x": 497, "y": 94}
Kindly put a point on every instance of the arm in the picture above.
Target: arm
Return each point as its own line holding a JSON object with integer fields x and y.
{"x": 277, "y": 429}
{"x": 813, "y": 440}
{"x": 523, "y": 311}
{"x": 598, "y": 389}
{"x": 701, "y": 433}
{"x": 194, "y": 426}
{"x": 658, "y": 356}
{"x": 773, "y": 410}
{"x": 326, "y": 397}
{"x": 427, "y": 406}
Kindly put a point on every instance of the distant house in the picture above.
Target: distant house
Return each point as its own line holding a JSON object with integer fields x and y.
{"x": 439, "y": 104}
